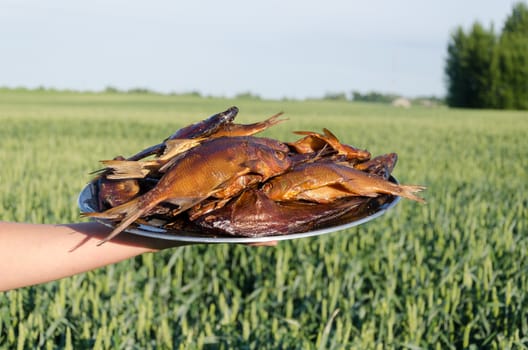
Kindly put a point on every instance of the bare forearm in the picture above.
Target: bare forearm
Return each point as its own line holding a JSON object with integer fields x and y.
{"x": 34, "y": 253}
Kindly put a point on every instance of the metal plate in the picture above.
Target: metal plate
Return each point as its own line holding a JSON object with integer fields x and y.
{"x": 372, "y": 209}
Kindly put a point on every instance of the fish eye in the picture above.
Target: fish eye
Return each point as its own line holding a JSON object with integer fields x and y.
{"x": 280, "y": 155}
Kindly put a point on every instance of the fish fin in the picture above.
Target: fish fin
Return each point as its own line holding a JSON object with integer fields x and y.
{"x": 183, "y": 201}
{"x": 307, "y": 133}
{"x": 175, "y": 147}
{"x": 330, "y": 135}
{"x": 114, "y": 213}
{"x": 98, "y": 171}
{"x": 184, "y": 204}
{"x": 127, "y": 169}
{"x": 326, "y": 136}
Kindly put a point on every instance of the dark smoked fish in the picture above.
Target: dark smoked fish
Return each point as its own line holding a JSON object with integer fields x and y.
{"x": 215, "y": 177}
{"x": 199, "y": 173}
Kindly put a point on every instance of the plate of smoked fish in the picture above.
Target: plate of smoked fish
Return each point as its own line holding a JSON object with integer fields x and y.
{"x": 215, "y": 181}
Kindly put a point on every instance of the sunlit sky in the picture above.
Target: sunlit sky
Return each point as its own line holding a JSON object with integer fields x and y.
{"x": 274, "y": 49}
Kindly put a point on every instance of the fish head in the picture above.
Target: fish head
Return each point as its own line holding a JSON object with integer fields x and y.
{"x": 390, "y": 160}
{"x": 268, "y": 161}
{"x": 276, "y": 188}
{"x": 116, "y": 192}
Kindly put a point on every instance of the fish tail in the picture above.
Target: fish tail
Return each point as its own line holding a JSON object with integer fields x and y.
{"x": 408, "y": 191}
{"x": 134, "y": 212}
{"x": 144, "y": 204}
{"x": 274, "y": 119}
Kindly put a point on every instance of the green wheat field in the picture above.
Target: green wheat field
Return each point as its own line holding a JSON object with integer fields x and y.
{"x": 452, "y": 273}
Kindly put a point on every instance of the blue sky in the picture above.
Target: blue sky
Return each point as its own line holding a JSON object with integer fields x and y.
{"x": 274, "y": 49}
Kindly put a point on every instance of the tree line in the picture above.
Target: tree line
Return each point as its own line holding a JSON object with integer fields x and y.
{"x": 488, "y": 70}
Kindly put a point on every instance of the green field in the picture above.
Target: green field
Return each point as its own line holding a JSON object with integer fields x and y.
{"x": 452, "y": 273}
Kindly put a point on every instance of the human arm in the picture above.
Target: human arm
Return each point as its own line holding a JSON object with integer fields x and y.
{"x": 38, "y": 253}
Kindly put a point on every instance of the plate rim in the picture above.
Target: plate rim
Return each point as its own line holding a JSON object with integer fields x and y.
{"x": 163, "y": 234}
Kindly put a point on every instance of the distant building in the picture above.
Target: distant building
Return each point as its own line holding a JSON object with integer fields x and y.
{"x": 428, "y": 103}
{"x": 401, "y": 102}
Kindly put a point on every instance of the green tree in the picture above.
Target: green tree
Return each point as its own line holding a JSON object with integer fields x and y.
{"x": 471, "y": 69}
{"x": 512, "y": 87}
{"x": 484, "y": 70}
{"x": 457, "y": 85}
{"x": 517, "y": 22}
